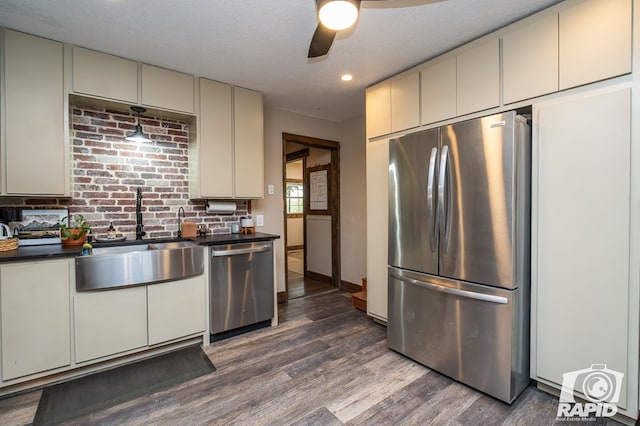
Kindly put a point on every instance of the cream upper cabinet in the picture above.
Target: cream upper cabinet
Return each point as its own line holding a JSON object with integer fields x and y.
{"x": 530, "y": 59}
{"x": 581, "y": 215}
{"x": 405, "y": 102}
{"x": 438, "y": 91}
{"x": 595, "y": 41}
{"x": 213, "y": 154}
{"x": 228, "y": 159}
{"x": 378, "y": 109}
{"x": 109, "y": 322}
{"x": 377, "y": 181}
{"x": 105, "y": 76}
{"x": 176, "y": 309}
{"x": 478, "y": 77}
{"x": 167, "y": 89}
{"x": 248, "y": 152}
{"x": 36, "y": 329}
{"x": 37, "y": 159}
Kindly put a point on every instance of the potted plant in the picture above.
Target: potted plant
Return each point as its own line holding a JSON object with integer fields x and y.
{"x": 74, "y": 235}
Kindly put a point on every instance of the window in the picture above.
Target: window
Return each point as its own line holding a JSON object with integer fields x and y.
{"x": 295, "y": 197}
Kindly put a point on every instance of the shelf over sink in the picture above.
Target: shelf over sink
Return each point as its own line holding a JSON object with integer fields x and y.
{"x": 120, "y": 266}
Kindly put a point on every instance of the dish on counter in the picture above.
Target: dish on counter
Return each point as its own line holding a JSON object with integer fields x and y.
{"x": 105, "y": 239}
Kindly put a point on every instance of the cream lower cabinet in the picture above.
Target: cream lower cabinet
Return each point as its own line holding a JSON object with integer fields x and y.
{"x": 377, "y": 228}
{"x": 583, "y": 309}
{"x": 37, "y": 159}
{"x": 227, "y": 161}
{"x": 109, "y": 322}
{"x": 176, "y": 309}
{"x": 35, "y": 317}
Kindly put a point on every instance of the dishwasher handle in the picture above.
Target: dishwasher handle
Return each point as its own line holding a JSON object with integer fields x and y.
{"x": 236, "y": 251}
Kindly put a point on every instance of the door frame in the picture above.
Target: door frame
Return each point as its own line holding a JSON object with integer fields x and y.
{"x": 334, "y": 201}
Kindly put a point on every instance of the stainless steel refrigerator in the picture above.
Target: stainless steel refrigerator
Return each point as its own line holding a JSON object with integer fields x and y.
{"x": 459, "y": 251}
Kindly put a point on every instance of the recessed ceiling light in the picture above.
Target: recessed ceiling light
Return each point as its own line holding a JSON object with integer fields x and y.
{"x": 346, "y": 77}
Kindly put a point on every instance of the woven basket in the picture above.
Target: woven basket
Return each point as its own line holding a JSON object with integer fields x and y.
{"x": 9, "y": 244}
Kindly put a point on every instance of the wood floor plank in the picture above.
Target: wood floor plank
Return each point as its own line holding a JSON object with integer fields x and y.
{"x": 325, "y": 364}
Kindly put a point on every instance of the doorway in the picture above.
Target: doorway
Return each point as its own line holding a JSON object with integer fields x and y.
{"x": 312, "y": 215}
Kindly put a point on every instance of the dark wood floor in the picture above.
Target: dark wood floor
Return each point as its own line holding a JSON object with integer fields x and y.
{"x": 325, "y": 364}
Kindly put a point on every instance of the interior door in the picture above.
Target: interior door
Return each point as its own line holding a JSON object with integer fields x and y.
{"x": 477, "y": 222}
{"x": 413, "y": 240}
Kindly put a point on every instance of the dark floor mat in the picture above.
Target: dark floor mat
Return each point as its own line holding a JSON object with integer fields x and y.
{"x": 79, "y": 397}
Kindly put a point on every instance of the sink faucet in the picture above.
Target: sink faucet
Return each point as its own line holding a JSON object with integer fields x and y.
{"x": 180, "y": 223}
{"x": 139, "y": 226}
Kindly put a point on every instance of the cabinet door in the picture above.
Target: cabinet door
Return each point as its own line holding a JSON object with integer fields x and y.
{"x": 595, "y": 41}
{"x": 377, "y": 227}
{"x": 478, "y": 77}
{"x": 109, "y": 322}
{"x": 530, "y": 59}
{"x": 378, "y": 110}
{"x": 248, "y": 143}
{"x": 438, "y": 91}
{"x": 581, "y": 214}
{"x": 36, "y": 157}
{"x": 36, "y": 330}
{"x": 405, "y": 102}
{"x": 176, "y": 309}
{"x": 107, "y": 76}
{"x": 215, "y": 151}
{"x": 167, "y": 89}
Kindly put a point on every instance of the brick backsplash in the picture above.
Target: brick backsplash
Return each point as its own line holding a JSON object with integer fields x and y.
{"x": 107, "y": 170}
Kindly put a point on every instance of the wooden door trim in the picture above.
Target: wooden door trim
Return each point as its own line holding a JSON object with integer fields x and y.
{"x": 334, "y": 148}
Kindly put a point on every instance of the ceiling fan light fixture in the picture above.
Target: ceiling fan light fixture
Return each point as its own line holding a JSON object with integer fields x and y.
{"x": 338, "y": 14}
{"x": 138, "y": 135}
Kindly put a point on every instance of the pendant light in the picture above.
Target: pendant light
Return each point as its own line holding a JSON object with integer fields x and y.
{"x": 138, "y": 135}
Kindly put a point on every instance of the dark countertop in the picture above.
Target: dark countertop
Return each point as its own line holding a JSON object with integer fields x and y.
{"x": 57, "y": 251}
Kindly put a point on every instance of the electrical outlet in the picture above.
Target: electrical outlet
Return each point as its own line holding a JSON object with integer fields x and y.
{"x": 271, "y": 189}
{"x": 259, "y": 220}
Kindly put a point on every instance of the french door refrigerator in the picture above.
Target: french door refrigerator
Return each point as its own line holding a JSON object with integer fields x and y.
{"x": 459, "y": 256}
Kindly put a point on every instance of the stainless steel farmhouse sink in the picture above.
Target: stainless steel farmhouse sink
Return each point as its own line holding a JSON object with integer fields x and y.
{"x": 137, "y": 264}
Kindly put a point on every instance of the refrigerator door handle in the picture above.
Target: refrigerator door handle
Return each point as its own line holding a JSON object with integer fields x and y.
{"x": 443, "y": 196}
{"x": 453, "y": 291}
{"x": 431, "y": 218}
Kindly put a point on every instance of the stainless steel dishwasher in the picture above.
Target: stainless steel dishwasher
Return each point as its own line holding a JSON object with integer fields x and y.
{"x": 241, "y": 285}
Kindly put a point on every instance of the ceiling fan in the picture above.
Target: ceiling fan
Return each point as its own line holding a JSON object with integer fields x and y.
{"x": 333, "y": 15}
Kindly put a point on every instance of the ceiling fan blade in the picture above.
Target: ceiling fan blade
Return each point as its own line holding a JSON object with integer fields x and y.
{"x": 321, "y": 41}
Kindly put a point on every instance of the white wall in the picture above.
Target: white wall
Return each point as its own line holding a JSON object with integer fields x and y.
{"x": 351, "y": 135}
{"x": 275, "y": 123}
{"x": 353, "y": 200}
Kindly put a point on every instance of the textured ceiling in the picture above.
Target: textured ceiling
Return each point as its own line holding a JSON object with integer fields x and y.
{"x": 262, "y": 44}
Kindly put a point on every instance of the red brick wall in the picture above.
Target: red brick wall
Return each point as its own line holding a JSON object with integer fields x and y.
{"x": 106, "y": 170}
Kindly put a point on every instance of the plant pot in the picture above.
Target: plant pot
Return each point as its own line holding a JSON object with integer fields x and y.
{"x": 71, "y": 242}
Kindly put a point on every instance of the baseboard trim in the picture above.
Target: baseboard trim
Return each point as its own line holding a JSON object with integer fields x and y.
{"x": 349, "y": 287}
{"x": 318, "y": 277}
{"x": 282, "y": 297}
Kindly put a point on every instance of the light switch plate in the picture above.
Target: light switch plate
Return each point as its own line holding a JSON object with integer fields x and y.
{"x": 259, "y": 220}
{"x": 271, "y": 189}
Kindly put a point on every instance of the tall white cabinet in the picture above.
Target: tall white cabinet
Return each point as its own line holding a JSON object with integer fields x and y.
{"x": 581, "y": 238}
{"x": 377, "y": 227}
{"x": 36, "y": 161}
